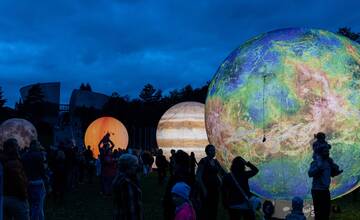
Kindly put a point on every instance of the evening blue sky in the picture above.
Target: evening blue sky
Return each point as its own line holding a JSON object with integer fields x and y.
{"x": 120, "y": 45}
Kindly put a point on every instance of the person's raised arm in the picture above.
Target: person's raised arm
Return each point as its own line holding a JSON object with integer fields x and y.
{"x": 112, "y": 145}
{"x": 253, "y": 169}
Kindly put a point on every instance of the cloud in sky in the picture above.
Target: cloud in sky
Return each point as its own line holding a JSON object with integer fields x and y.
{"x": 121, "y": 45}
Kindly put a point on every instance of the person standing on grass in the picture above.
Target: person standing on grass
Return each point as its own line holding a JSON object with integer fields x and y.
{"x": 181, "y": 173}
{"x": 236, "y": 191}
{"x": 209, "y": 175}
{"x": 108, "y": 171}
{"x": 126, "y": 190}
{"x": 162, "y": 165}
{"x": 321, "y": 170}
{"x": 16, "y": 204}
{"x": 35, "y": 165}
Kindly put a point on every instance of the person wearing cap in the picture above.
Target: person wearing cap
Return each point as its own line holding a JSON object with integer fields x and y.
{"x": 34, "y": 162}
{"x": 180, "y": 196}
{"x": 126, "y": 189}
{"x": 297, "y": 210}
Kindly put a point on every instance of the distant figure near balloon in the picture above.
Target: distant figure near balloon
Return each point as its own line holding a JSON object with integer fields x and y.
{"x": 20, "y": 129}
{"x": 106, "y": 142}
{"x": 106, "y": 132}
{"x": 183, "y": 127}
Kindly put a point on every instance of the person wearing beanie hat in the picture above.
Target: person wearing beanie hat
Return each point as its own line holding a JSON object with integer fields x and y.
{"x": 127, "y": 191}
{"x": 180, "y": 195}
{"x": 297, "y": 210}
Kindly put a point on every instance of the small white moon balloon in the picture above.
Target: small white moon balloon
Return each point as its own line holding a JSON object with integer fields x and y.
{"x": 20, "y": 129}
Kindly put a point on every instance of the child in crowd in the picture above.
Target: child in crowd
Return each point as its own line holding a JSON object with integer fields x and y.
{"x": 318, "y": 147}
{"x": 256, "y": 205}
{"x": 180, "y": 195}
{"x": 297, "y": 210}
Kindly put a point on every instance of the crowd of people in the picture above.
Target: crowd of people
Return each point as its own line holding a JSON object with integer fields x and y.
{"x": 193, "y": 190}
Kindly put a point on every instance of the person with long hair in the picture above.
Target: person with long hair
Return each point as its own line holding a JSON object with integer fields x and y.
{"x": 236, "y": 191}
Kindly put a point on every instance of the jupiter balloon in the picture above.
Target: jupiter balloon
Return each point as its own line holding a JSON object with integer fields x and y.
{"x": 102, "y": 126}
{"x": 183, "y": 127}
{"x": 20, "y": 129}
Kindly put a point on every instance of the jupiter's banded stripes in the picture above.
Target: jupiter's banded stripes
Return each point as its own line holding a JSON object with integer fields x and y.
{"x": 183, "y": 127}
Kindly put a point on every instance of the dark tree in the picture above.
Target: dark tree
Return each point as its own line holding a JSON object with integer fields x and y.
{"x": 35, "y": 95}
{"x": 85, "y": 87}
{"x": 150, "y": 94}
{"x": 33, "y": 105}
{"x": 345, "y": 31}
{"x": 88, "y": 87}
{"x": 2, "y": 99}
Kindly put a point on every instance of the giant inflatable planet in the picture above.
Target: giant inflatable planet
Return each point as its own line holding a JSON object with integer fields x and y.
{"x": 183, "y": 127}
{"x": 20, "y": 129}
{"x": 273, "y": 93}
{"x": 102, "y": 126}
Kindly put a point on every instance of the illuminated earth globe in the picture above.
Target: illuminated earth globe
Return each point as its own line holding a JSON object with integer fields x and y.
{"x": 183, "y": 127}
{"x": 20, "y": 129}
{"x": 287, "y": 85}
{"x": 102, "y": 126}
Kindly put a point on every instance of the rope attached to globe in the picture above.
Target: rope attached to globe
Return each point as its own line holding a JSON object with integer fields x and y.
{"x": 263, "y": 113}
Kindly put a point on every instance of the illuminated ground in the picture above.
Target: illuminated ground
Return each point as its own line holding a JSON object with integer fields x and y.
{"x": 88, "y": 204}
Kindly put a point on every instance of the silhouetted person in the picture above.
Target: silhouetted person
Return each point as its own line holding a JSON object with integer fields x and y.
{"x": 209, "y": 175}
{"x": 59, "y": 177}
{"x": 236, "y": 190}
{"x": 193, "y": 163}
{"x": 181, "y": 173}
{"x": 16, "y": 204}
{"x": 268, "y": 210}
{"x": 162, "y": 165}
{"x": 127, "y": 191}
{"x": 321, "y": 144}
{"x": 297, "y": 210}
{"x": 172, "y": 161}
{"x": 35, "y": 166}
{"x": 90, "y": 163}
{"x": 106, "y": 143}
{"x": 321, "y": 171}
{"x": 108, "y": 172}
{"x": 148, "y": 161}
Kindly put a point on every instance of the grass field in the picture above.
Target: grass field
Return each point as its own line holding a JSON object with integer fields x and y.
{"x": 87, "y": 203}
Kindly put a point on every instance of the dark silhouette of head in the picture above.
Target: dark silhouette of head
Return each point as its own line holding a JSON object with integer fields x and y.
{"x": 35, "y": 145}
{"x": 268, "y": 209}
{"x": 210, "y": 150}
{"x": 192, "y": 154}
{"x": 320, "y": 136}
{"x": 297, "y": 204}
{"x": 88, "y": 147}
{"x": 172, "y": 151}
{"x": 181, "y": 158}
{"x": 238, "y": 165}
{"x": 160, "y": 152}
{"x": 11, "y": 148}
